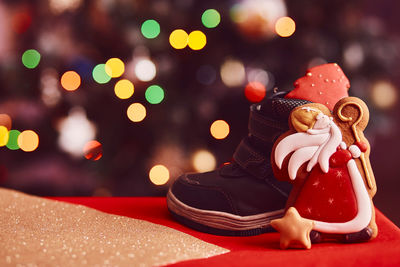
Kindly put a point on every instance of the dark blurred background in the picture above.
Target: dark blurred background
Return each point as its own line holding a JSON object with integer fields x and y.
{"x": 196, "y": 86}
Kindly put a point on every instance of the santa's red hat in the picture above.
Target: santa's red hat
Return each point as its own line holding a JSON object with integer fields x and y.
{"x": 325, "y": 84}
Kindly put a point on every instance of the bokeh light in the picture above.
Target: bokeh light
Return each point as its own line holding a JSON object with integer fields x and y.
{"x": 115, "y": 67}
{"x": 203, "y": 161}
{"x": 159, "y": 175}
{"x": 255, "y": 18}
{"x": 102, "y": 192}
{"x": 197, "y": 40}
{"x": 22, "y": 20}
{"x": 255, "y": 91}
{"x": 93, "y": 150}
{"x": 70, "y": 80}
{"x": 206, "y": 75}
{"x": 154, "y": 94}
{"x": 136, "y": 112}
{"x": 179, "y": 39}
{"x": 258, "y": 75}
{"x": 5, "y": 121}
{"x": 3, "y": 135}
{"x": 285, "y": 26}
{"x": 145, "y": 70}
{"x": 60, "y": 6}
{"x": 353, "y": 55}
{"x": 384, "y": 94}
{"x": 28, "y": 141}
{"x": 232, "y": 73}
{"x": 219, "y": 129}
{"x": 150, "y": 29}
{"x": 74, "y": 131}
{"x": 211, "y": 18}
{"x": 31, "y": 58}
{"x": 316, "y": 61}
{"x": 13, "y": 139}
{"x": 124, "y": 89}
{"x": 100, "y": 75}
{"x": 49, "y": 87}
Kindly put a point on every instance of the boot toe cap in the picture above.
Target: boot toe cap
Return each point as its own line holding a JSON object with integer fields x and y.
{"x": 189, "y": 190}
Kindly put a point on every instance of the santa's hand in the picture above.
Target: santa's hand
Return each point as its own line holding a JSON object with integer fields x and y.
{"x": 355, "y": 151}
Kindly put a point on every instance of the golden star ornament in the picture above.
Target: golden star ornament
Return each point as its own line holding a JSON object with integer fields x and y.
{"x": 294, "y": 230}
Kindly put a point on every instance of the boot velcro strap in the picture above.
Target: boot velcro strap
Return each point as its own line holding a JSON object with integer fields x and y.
{"x": 252, "y": 161}
{"x": 264, "y": 128}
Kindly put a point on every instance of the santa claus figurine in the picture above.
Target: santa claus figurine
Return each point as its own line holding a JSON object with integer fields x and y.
{"x": 326, "y": 157}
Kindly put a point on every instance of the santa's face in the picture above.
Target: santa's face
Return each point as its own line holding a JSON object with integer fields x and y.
{"x": 322, "y": 121}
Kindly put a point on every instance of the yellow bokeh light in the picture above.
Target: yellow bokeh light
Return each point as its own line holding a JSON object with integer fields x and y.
{"x": 115, "y": 67}
{"x": 384, "y": 94}
{"x": 136, "y": 112}
{"x": 124, "y": 89}
{"x": 159, "y": 175}
{"x": 3, "y": 135}
{"x": 285, "y": 26}
{"x": 28, "y": 141}
{"x": 203, "y": 161}
{"x": 178, "y": 39}
{"x": 197, "y": 40}
{"x": 219, "y": 129}
{"x": 70, "y": 80}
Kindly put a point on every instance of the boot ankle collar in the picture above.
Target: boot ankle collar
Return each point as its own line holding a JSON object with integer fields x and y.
{"x": 269, "y": 119}
{"x": 264, "y": 128}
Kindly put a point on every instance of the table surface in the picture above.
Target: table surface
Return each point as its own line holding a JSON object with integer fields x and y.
{"x": 258, "y": 250}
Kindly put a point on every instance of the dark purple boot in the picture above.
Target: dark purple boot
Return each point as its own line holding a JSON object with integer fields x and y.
{"x": 241, "y": 198}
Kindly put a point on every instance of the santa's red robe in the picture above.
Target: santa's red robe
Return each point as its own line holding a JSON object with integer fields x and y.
{"x": 329, "y": 197}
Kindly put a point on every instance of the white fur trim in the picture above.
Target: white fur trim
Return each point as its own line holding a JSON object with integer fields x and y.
{"x": 343, "y": 145}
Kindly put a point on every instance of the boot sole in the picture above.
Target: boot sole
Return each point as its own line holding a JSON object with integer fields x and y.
{"x": 221, "y": 223}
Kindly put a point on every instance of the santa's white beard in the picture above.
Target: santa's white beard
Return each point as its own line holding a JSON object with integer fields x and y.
{"x": 315, "y": 147}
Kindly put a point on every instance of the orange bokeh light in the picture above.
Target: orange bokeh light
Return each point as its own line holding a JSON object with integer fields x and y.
{"x": 28, "y": 141}
{"x": 285, "y": 26}
{"x": 70, "y": 80}
{"x": 219, "y": 129}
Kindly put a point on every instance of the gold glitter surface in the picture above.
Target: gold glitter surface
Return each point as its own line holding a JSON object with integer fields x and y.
{"x": 40, "y": 232}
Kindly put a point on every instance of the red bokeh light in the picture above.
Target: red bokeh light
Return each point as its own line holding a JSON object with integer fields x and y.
{"x": 255, "y": 91}
{"x": 93, "y": 150}
{"x": 21, "y": 20}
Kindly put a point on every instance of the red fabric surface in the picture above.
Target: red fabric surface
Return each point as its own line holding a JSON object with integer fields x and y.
{"x": 259, "y": 250}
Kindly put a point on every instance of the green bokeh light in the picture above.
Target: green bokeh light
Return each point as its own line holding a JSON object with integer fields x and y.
{"x": 13, "y": 139}
{"x": 154, "y": 94}
{"x": 100, "y": 75}
{"x": 31, "y": 58}
{"x": 150, "y": 29}
{"x": 211, "y": 18}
